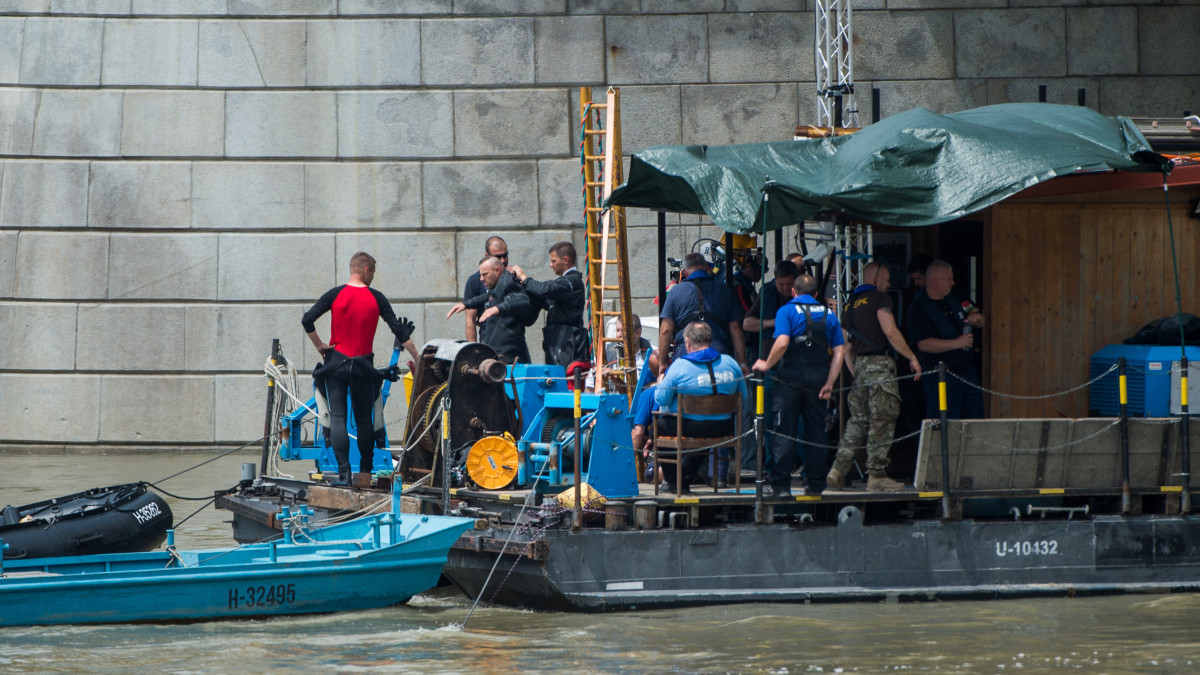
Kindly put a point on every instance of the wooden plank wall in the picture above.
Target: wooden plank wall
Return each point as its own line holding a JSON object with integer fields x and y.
{"x": 1070, "y": 275}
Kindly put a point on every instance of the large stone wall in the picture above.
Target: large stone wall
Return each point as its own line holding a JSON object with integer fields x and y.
{"x": 180, "y": 178}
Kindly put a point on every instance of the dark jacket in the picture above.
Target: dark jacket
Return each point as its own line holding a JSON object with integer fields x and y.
{"x": 505, "y": 333}
{"x": 564, "y": 339}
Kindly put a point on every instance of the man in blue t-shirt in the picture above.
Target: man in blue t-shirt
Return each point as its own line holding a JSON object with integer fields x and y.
{"x": 699, "y": 298}
{"x": 805, "y": 360}
{"x": 701, "y": 371}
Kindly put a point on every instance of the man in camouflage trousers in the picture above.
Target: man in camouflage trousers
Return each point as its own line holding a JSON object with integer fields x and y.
{"x": 870, "y": 327}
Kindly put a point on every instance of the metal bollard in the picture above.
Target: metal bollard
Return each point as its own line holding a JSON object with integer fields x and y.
{"x": 645, "y": 514}
{"x": 615, "y": 515}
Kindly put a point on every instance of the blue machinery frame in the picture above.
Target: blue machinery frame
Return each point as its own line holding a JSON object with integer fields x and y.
{"x": 543, "y": 399}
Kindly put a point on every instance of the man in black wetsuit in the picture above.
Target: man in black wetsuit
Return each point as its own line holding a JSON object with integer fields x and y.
{"x": 496, "y": 248}
{"x": 564, "y": 338}
{"x": 507, "y": 310}
{"x": 348, "y": 361}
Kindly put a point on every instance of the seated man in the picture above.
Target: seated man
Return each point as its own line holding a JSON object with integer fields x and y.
{"x": 700, "y": 372}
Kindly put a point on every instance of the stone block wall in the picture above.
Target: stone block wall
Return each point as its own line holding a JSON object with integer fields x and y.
{"x": 180, "y": 179}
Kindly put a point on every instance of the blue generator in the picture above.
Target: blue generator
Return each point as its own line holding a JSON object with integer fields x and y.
{"x": 1148, "y": 379}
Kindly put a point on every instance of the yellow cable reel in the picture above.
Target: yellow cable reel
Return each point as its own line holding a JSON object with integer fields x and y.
{"x": 492, "y": 462}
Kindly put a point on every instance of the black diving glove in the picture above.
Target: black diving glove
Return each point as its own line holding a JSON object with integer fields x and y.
{"x": 391, "y": 373}
{"x": 406, "y": 330}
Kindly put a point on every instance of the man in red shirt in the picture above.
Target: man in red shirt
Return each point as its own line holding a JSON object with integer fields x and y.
{"x": 348, "y": 366}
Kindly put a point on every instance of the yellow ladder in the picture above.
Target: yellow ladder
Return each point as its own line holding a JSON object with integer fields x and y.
{"x": 601, "y": 157}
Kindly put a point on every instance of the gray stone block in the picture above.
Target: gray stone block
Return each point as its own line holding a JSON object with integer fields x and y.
{"x": 247, "y": 195}
{"x": 657, "y": 49}
{"x": 238, "y": 337}
{"x": 362, "y": 195}
{"x": 477, "y": 51}
{"x": 364, "y": 53}
{"x": 569, "y": 49}
{"x": 252, "y": 53}
{"x": 173, "y": 124}
{"x": 393, "y": 8}
{"x": 1148, "y": 96}
{"x": 735, "y": 113}
{"x": 17, "y": 110}
{"x": 25, "y": 6}
{"x": 560, "y": 192}
{"x": 643, "y": 252}
{"x": 178, "y": 7}
{"x": 649, "y": 116}
{"x": 527, "y": 248}
{"x": 51, "y": 408}
{"x": 395, "y": 124}
{"x": 90, "y": 6}
{"x": 488, "y": 194}
{"x": 1102, "y": 41}
{"x": 130, "y": 337}
{"x": 281, "y": 124}
{"x": 41, "y": 336}
{"x": 940, "y": 96}
{"x": 675, "y": 7}
{"x": 949, "y": 4}
{"x": 78, "y": 123}
{"x": 411, "y": 266}
{"x": 761, "y": 47}
{"x": 276, "y": 8}
{"x": 11, "y": 31}
{"x": 240, "y": 402}
{"x": 62, "y": 265}
{"x": 519, "y": 7}
{"x": 438, "y": 326}
{"x": 149, "y": 52}
{"x": 1167, "y": 40}
{"x": 301, "y": 269}
{"x": 513, "y": 122}
{"x": 769, "y": 6}
{"x": 44, "y": 194}
{"x": 163, "y": 266}
{"x": 149, "y": 409}
{"x": 8, "y": 261}
{"x": 903, "y": 45}
{"x": 59, "y": 50}
{"x": 1010, "y": 43}
{"x": 603, "y": 6}
{"x": 140, "y": 195}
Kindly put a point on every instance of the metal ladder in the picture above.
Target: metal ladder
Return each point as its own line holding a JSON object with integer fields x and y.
{"x": 600, "y": 153}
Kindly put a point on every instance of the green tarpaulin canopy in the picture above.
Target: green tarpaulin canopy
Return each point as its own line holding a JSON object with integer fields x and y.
{"x": 914, "y": 168}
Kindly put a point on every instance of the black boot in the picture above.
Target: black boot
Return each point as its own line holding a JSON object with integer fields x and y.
{"x": 342, "y": 480}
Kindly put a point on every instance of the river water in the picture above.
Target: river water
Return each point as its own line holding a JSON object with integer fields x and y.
{"x": 1119, "y": 634}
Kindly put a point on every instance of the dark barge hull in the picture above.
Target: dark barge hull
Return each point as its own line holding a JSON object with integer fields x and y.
{"x": 599, "y": 570}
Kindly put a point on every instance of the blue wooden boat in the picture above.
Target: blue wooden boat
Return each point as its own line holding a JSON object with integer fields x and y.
{"x": 369, "y": 562}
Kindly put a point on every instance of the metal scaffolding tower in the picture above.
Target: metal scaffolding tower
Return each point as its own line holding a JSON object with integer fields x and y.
{"x": 835, "y": 65}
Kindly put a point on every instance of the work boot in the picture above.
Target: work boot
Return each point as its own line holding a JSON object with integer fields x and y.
{"x": 342, "y": 480}
{"x": 835, "y": 480}
{"x": 883, "y": 484}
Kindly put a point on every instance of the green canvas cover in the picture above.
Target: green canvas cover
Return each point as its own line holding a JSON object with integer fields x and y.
{"x": 911, "y": 169}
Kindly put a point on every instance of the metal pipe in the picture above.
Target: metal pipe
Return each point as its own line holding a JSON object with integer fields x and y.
{"x": 492, "y": 371}
{"x": 445, "y": 454}
{"x": 1185, "y": 505}
{"x": 577, "y": 516}
{"x": 266, "y": 447}
{"x": 1126, "y": 499}
{"x": 874, "y": 104}
{"x": 662, "y": 258}
{"x": 728, "y": 260}
{"x": 945, "y": 439}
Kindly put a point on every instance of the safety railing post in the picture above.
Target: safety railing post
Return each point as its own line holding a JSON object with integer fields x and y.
{"x": 577, "y": 515}
{"x": 445, "y": 454}
{"x": 759, "y": 442}
{"x": 1123, "y": 399}
{"x": 276, "y": 358}
{"x": 946, "y": 503}
{"x": 1185, "y": 504}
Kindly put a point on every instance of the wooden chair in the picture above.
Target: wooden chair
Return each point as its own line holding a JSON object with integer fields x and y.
{"x": 708, "y": 404}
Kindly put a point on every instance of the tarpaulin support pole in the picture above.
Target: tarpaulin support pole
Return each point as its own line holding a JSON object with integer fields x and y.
{"x": 728, "y": 260}
{"x": 759, "y": 441}
{"x": 662, "y": 259}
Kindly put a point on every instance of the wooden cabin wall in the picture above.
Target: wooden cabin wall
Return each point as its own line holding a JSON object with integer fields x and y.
{"x": 1069, "y": 277}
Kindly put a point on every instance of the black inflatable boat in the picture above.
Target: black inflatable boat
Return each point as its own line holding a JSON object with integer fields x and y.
{"x": 118, "y": 519}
